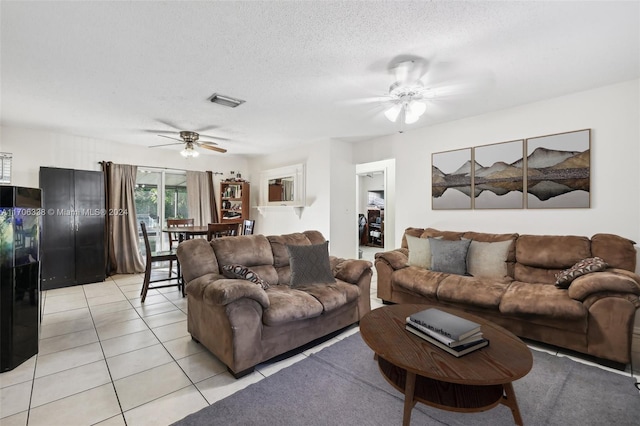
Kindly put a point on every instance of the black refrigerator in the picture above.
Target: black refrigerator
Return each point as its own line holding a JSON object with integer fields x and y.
{"x": 20, "y": 220}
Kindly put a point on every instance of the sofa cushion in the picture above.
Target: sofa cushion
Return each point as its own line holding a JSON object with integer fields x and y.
{"x": 247, "y": 250}
{"x": 617, "y": 251}
{"x": 529, "y": 274}
{"x": 279, "y": 245}
{"x": 485, "y": 293}
{"x": 418, "y": 280}
{"x": 310, "y": 264}
{"x": 488, "y": 260}
{"x": 551, "y": 251}
{"x": 288, "y": 304}
{"x": 445, "y": 235}
{"x": 449, "y": 256}
{"x": 583, "y": 267}
{"x": 333, "y": 296}
{"x": 241, "y": 272}
{"x": 522, "y": 299}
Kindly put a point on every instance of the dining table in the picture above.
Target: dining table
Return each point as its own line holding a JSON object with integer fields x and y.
{"x": 186, "y": 232}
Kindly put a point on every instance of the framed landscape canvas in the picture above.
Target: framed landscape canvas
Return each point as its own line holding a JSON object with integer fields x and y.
{"x": 558, "y": 170}
{"x": 451, "y": 180}
{"x": 499, "y": 176}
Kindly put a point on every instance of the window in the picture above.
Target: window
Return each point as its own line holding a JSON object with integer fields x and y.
{"x": 160, "y": 195}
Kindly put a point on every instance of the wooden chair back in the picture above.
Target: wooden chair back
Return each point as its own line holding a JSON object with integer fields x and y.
{"x": 215, "y": 230}
{"x": 177, "y": 223}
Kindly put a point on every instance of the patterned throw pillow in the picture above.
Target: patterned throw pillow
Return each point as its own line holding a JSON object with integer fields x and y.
{"x": 310, "y": 264}
{"x": 240, "y": 272}
{"x": 583, "y": 267}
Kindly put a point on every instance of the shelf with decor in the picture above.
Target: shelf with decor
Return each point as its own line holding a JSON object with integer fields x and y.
{"x": 234, "y": 201}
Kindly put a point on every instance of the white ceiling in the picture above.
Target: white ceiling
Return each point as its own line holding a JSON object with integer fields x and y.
{"x": 126, "y": 71}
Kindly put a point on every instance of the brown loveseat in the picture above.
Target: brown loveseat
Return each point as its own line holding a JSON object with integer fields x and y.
{"x": 595, "y": 315}
{"x": 244, "y": 324}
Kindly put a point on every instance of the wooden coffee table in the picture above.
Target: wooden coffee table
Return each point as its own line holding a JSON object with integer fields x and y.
{"x": 425, "y": 373}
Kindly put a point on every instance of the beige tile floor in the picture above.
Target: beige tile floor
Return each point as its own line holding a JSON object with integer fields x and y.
{"x": 107, "y": 359}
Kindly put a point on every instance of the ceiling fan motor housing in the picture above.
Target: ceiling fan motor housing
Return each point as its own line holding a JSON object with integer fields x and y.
{"x": 189, "y": 136}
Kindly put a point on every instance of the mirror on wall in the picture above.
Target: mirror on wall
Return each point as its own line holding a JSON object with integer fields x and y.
{"x": 281, "y": 189}
{"x": 283, "y": 186}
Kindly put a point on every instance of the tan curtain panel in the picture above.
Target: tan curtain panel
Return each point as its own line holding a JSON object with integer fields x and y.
{"x": 199, "y": 197}
{"x": 124, "y": 255}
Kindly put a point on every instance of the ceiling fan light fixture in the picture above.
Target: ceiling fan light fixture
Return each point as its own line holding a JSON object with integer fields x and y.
{"x": 189, "y": 151}
{"x": 393, "y": 112}
{"x": 414, "y": 111}
{"x": 224, "y": 100}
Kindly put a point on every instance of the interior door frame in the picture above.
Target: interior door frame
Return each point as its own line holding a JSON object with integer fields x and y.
{"x": 388, "y": 168}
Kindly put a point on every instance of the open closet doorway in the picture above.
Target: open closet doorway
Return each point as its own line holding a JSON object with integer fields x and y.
{"x": 375, "y": 184}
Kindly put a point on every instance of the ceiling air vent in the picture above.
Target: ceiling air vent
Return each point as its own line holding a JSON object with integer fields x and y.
{"x": 228, "y": 101}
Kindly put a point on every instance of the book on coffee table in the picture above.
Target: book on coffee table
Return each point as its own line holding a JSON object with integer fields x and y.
{"x": 446, "y": 324}
{"x": 457, "y": 351}
{"x": 444, "y": 339}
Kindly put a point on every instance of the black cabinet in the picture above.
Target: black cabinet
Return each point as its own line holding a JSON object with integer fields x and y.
{"x": 20, "y": 216}
{"x": 73, "y": 229}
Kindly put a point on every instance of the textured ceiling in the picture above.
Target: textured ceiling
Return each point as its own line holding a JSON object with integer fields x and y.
{"x": 127, "y": 71}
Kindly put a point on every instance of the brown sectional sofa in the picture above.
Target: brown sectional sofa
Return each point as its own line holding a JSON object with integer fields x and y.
{"x": 595, "y": 315}
{"x": 244, "y": 324}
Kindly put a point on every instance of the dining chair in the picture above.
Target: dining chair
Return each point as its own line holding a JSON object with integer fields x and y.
{"x": 175, "y": 238}
{"x": 215, "y": 230}
{"x": 154, "y": 257}
{"x": 247, "y": 227}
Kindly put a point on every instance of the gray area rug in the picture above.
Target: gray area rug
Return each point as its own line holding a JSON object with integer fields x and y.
{"x": 341, "y": 385}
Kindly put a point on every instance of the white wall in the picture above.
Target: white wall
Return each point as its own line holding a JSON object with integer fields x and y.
{"x": 343, "y": 235}
{"x": 330, "y": 193}
{"x": 611, "y": 112}
{"x": 32, "y": 149}
{"x": 316, "y": 214}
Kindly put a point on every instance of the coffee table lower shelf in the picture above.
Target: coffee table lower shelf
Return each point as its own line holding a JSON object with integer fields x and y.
{"x": 447, "y": 396}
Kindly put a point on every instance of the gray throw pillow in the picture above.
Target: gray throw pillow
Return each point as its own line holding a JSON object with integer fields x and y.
{"x": 310, "y": 264}
{"x": 449, "y": 256}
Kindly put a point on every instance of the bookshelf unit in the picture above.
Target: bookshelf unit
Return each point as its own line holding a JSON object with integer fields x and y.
{"x": 234, "y": 201}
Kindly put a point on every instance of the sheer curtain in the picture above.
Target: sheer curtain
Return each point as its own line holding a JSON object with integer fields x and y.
{"x": 200, "y": 198}
{"x": 122, "y": 229}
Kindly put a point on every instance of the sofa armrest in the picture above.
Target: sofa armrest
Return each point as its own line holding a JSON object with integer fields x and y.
{"x": 225, "y": 291}
{"x": 397, "y": 259}
{"x": 610, "y": 281}
{"x": 349, "y": 270}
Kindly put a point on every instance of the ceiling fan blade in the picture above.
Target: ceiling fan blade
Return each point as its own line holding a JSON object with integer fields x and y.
{"x": 365, "y": 101}
{"x": 207, "y": 143}
{"x": 212, "y": 148}
{"x": 214, "y": 137}
{"x": 205, "y": 128}
{"x": 168, "y": 123}
{"x": 169, "y": 137}
{"x": 166, "y": 144}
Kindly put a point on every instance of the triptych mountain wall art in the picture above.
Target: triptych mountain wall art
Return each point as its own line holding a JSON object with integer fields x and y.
{"x": 541, "y": 172}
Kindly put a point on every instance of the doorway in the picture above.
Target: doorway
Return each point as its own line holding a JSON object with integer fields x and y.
{"x": 375, "y": 189}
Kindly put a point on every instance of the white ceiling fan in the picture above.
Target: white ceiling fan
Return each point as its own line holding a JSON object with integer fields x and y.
{"x": 409, "y": 95}
{"x": 191, "y": 140}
